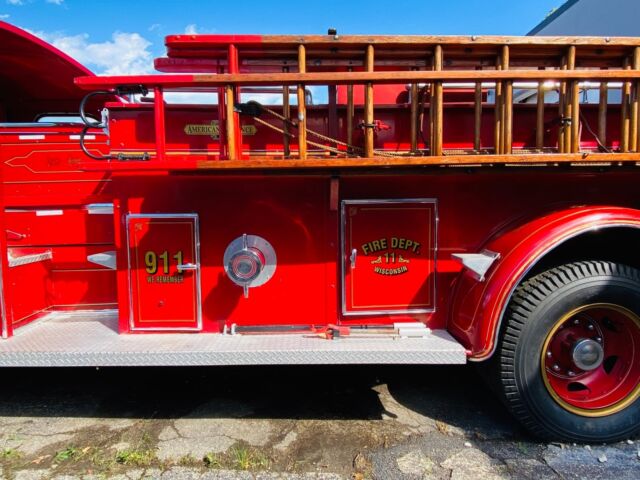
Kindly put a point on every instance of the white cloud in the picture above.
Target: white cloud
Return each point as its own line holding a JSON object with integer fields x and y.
{"x": 15, "y": 2}
{"x": 124, "y": 54}
{"x": 56, "y": 2}
{"x": 155, "y": 26}
{"x": 4, "y": 16}
{"x": 193, "y": 29}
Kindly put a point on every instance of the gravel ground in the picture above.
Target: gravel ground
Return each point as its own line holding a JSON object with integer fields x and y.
{"x": 322, "y": 423}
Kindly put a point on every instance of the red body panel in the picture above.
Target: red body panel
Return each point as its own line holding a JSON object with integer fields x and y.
{"x": 36, "y": 77}
{"x": 47, "y": 202}
{"x": 478, "y": 307}
{"x": 295, "y": 214}
{"x": 291, "y": 214}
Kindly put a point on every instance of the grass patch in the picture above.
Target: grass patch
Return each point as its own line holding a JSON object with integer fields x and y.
{"x": 10, "y": 454}
{"x": 137, "y": 458}
{"x": 239, "y": 457}
{"x": 103, "y": 460}
{"x": 213, "y": 460}
{"x": 244, "y": 458}
{"x": 186, "y": 461}
{"x": 69, "y": 453}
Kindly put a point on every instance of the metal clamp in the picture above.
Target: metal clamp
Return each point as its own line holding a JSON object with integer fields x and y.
{"x": 352, "y": 257}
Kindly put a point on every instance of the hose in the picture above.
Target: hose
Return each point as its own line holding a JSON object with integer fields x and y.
{"x": 93, "y": 123}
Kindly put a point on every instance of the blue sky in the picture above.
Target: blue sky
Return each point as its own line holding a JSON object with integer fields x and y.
{"x": 118, "y": 36}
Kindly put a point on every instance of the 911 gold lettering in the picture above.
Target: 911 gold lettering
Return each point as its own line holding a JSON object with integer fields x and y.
{"x": 151, "y": 260}
{"x": 164, "y": 256}
{"x": 178, "y": 258}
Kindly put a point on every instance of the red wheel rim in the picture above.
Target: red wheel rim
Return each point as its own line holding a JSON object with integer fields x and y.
{"x": 591, "y": 360}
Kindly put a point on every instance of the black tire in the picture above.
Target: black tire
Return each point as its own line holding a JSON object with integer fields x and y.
{"x": 518, "y": 371}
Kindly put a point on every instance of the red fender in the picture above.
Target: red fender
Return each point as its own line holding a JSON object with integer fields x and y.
{"x": 478, "y": 306}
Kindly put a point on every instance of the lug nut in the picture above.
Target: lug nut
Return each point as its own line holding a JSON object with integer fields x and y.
{"x": 571, "y": 374}
{"x": 576, "y": 322}
{"x": 556, "y": 368}
{"x": 590, "y": 327}
{"x": 549, "y": 354}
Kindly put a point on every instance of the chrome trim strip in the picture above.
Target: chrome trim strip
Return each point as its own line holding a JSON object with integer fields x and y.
{"x": 31, "y": 137}
{"x": 104, "y": 259}
{"x": 529, "y": 268}
{"x": 196, "y": 225}
{"x": 27, "y": 259}
{"x": 343, "y": 207}
{"x": 99, "y": 208}
{"x": 49, "y": 212}
{"x": 3, "y": 307}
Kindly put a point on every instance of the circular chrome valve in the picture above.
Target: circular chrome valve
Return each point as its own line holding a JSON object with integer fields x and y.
{"x": 250, "y": 261}
{"x": 246, "y": 265}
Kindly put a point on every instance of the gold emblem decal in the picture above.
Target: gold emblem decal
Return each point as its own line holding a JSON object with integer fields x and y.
{"x": 391, "y": 254}
{"x": 213, "y": 130}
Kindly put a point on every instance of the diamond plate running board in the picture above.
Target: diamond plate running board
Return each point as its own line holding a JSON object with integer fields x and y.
{"x": 66, "y": 339}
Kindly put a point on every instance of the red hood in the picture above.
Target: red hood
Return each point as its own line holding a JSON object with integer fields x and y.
{"x": 35, "y": 77}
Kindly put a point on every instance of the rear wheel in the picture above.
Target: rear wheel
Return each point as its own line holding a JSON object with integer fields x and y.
{"x": 569, "y": 354}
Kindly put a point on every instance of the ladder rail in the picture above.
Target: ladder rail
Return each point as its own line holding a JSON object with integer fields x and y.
{"x": 568, "y": 72}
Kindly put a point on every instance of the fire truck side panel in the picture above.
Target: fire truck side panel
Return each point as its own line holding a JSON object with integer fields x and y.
{"x": 55, "y": 217}
{"x": 295, "y": 215}
{"x": 291, "y": 213}
{"x": 41, "y": 166}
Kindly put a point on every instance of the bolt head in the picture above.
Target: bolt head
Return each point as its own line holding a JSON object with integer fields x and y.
{"x": 556, "y": 368}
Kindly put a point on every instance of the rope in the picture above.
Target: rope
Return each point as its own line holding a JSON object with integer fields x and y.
{"x": 316, "y": 134}
{"x": 588, "y": 127}
{"x": 319, "y": 145}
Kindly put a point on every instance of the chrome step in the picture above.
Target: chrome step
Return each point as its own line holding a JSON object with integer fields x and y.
{"x": 64, "y": 339}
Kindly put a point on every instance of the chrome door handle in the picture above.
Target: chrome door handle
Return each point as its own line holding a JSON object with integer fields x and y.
{"x": 352, "y": 258}
{"x": 187, "y": 266}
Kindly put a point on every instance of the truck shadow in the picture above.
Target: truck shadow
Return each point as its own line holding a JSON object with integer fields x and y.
{"x": 450, "y": 395}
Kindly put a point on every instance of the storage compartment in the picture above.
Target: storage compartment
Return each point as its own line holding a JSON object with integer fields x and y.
{"x": 388, "y": 258}
{"x": 164, "y": 272}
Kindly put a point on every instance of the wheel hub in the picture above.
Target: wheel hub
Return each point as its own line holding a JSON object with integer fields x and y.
{"x": 587, "y": 354}
{"x": 590, "y": 359}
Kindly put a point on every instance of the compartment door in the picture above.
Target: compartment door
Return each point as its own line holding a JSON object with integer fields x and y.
{"x": 164, "y": 269}
{"x": 389, "y": 252}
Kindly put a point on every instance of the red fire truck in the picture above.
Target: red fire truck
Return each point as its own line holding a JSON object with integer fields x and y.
{"x": 334, "y": 199}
